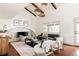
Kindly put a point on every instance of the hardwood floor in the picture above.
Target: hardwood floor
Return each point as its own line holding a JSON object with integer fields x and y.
{"x": 68, "y": 51}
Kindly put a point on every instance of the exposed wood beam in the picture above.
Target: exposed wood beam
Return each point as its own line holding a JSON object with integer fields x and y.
{"x": 54, "y": 5}
{"x": 29, "y": 11}
{"x": 37, "y": 7}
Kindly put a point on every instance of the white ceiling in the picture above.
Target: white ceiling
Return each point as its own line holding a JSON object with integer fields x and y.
{"x": 9, "y": 10}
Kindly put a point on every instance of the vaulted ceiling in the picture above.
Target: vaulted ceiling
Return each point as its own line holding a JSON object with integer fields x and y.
{"x": 9, "y": 10}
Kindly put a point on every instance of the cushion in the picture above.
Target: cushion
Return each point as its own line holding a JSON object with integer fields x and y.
{"x": 53, "y": 35}
{"x": 22, "y": 33}
{"x": 39, "y": 51}
{"x": 54, "y": 39}
{"x": 22, "y": 38}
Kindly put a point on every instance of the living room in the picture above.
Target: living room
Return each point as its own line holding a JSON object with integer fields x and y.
{"x": 58, "y": 18}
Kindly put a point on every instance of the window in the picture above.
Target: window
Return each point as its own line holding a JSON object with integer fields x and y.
{"x": 51, "y": 27}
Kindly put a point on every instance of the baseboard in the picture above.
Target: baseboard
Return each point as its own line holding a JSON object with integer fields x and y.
{"x": 70, "y": 45}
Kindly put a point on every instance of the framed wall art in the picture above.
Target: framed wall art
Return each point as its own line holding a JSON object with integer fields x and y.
{"x": 20, "y": 23}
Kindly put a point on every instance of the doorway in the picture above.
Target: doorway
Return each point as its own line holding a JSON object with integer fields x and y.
{"x": 76, "y": 32}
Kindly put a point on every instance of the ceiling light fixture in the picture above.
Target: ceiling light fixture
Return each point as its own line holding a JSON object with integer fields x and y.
{"x": 39, "y": 13}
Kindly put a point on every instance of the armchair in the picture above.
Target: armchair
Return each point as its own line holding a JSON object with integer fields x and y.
{"x": 58, "y": 45}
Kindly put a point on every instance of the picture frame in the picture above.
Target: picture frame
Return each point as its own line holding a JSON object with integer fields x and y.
{"x": 20, "y": 23}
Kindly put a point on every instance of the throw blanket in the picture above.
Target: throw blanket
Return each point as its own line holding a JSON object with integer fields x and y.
{"x": 46, "y": 45}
